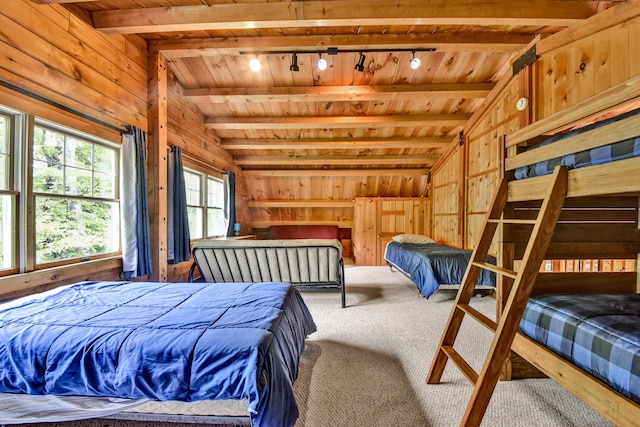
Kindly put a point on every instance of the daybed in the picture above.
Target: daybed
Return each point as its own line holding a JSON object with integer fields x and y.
{"x": 159, "y": 341}
{"x": 306, "y": 263}
{"x": 431, "y": 265}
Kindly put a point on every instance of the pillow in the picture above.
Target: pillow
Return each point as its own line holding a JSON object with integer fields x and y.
{"x": 412, "y": 238}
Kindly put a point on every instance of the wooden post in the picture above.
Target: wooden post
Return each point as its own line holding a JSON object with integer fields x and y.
{"x": 157, "y": 163}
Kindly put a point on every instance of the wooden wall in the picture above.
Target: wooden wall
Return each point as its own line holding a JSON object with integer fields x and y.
{"x": 575, "y": 69}
{"x": 48, "y": 52}
{"x": 281, "y": 200}
{"x": 201, "y": 151}
{"x": 447, "y": 183}
{"x": 51, "y": 52}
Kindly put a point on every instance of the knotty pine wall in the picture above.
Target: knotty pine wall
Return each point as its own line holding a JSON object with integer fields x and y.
{"x": 201, "y": 151}
{"x": 329, "y": 199}
{"x": 447, "y": 187}
{"x": 574, "y": 68}
{"x": 48, "y": 52}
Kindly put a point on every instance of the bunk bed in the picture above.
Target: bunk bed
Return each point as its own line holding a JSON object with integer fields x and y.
{"x": 132, "y": 342}
{"x": 581, "y": 329}
{"x": 431, "y": 266}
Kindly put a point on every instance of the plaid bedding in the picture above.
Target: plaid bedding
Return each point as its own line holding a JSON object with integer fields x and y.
{"x": 599, "y": 333}
{"x": 608, "y": 153}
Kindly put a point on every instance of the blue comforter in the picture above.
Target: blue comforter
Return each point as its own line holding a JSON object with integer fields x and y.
{"x": 619, "y": 150}
{"x": 430, "y": 265}
{"x": 183, "y": 342}
{"x": 599, "y": 333}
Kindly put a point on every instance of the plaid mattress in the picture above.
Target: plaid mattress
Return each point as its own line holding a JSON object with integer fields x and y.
{"x": 608, "y": 153}
{"x": 598, "y": 333}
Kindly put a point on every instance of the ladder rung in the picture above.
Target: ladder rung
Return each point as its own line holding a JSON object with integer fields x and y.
{"x": 512, "y": 221}
{"x": 498, "y": 270}
{"x": 484, "y": 320}
{"x": 462, "y": 364}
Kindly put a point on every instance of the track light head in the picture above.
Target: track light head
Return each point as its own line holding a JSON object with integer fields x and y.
{"x": 255, "y": 65}
{"x": 414, "y": 62}
{"x": 360, "y": 65}
{"x": 294, "y": 63}
{"x": 322, "y": 63}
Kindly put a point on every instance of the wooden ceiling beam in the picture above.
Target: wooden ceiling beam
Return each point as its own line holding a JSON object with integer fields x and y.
{"x": 336, "y": 122}
{"x": 60, "y": 1}
{"x": 333, "y": 172}
{"x": 331, "y": 144}
{"x": 342, "y": 13}
{"x": 442, "y": 42}
{"x": 423, "y": 159}
{"x": 339, "y": 93}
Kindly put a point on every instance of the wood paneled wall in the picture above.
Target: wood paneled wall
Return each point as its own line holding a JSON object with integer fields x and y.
{"x": 447, "y": 181}
{"x": 51, "y": 54}
{"x": 484, "y": 144}
{"x": 574, "y": 67}
{"x": 202, "y": 152}
{"x": 315, "y": 189}
{"x": 573, "y": 72}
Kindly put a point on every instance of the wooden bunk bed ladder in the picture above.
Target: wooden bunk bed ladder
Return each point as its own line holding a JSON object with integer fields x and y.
{"x": 506, "y": 328}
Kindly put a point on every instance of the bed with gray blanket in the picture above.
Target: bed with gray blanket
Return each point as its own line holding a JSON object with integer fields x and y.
{"x": 305, "y": 263}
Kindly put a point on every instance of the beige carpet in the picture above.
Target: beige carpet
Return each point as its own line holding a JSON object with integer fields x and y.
{"x": 366, "y": 364}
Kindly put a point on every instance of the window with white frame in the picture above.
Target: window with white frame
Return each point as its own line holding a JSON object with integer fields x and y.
{"x": 75, "y": 185}
{"x": 216, "y": 225}
{"x": 205, "y": 205}
{"x": 7, "y": 193}
{"x": 194, "y": 183}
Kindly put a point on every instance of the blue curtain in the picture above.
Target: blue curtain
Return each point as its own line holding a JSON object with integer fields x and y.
{"x": 136, "y": 236}
{"x": 178, "y": 238}
{"x": 229, "y": 180}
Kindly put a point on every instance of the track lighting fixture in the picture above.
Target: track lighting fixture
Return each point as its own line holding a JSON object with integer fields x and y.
{"x": 322, "y": 63}
{"x": 255, "y": 65}
{"x": 360, "y": 64}
{"x": 294, "y": 63}
{"x": 414, "y": 62}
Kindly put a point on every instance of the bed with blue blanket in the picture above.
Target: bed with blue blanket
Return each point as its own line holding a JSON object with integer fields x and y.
{"x": 431, "y": 265}
{"x": 619, "y": 149}
{"x": 162, "y": 342}
{"x": 599, "y": 333}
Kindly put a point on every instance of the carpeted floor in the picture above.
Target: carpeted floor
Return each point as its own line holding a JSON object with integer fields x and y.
{"x": 366, "y": 365}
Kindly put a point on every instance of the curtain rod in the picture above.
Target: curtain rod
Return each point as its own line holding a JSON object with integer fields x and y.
{"x": 123, "y": 129}
{"x": 194, "y": 159}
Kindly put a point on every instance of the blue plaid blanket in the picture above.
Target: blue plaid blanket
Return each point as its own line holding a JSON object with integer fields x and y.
{"x": 608, "y": 153}
{"x": 598, "y": 333}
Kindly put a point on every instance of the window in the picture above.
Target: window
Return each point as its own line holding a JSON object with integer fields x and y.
{"x": 7, "y": 193}
{"x": 193, "y": 184}
{"x": 213, "y": 223}
{"x": 216, "y": 224}
{"x": 75, "y": 184}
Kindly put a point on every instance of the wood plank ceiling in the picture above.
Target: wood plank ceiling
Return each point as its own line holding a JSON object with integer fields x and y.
{"x": 387, "y": 119}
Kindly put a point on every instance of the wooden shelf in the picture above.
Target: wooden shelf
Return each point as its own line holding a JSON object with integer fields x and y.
{"x": 267, "y": 224}
{"x": 300, "y": 203}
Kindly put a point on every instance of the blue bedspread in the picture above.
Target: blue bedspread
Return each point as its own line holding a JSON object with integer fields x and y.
{"x": 161, "y": 341}
{"x": 608, "y": 153}
{"x": 599, "y": 333}
{"x": 431, "y": 265}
